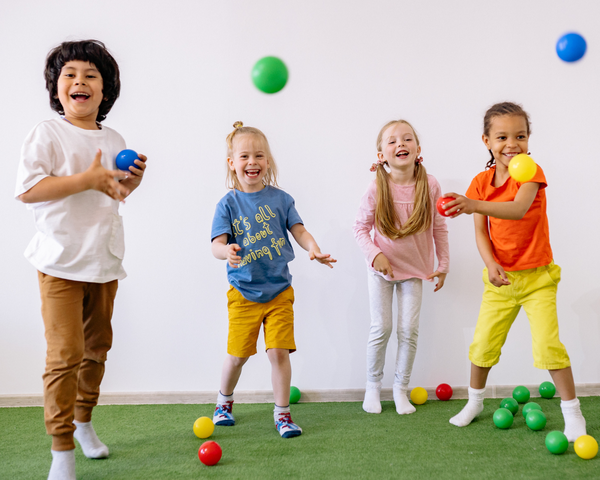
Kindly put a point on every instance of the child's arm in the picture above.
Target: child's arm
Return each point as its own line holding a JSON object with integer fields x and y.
{"x": 96, "y": 177}
{"x": 221, "y": 250}
{"x": 308, "y": 243}
{"x": 135, "y": 176}
{"x": 496, "y": 273}
{"x": 514, "y": 210}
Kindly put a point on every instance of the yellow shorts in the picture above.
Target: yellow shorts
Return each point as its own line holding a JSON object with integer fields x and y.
{"x": 535, "y": 290}
{"x": 246, "y": 317}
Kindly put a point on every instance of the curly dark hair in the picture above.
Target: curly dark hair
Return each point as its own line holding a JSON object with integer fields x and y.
{"x": 498, "y": 110}
{"x": 94, "y": 52}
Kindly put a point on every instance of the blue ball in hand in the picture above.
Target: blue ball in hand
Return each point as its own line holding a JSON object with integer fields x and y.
{"x": 126, "y": 158}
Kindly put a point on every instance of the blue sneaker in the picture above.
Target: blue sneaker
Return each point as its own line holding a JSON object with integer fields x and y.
{"x": 285, "y": 426}
{"x": 223, "y": 416}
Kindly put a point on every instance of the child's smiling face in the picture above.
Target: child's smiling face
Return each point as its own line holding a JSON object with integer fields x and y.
{"x": 79, "y": 90}
{"x": 399, "y": 146}
{"x": 508, "y": 137}
{"x": 249, "y": 162}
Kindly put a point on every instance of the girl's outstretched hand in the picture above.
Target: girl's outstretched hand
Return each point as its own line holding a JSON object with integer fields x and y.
{"x": 382, "y": 265}
{"x": 459, "y": 205}
{"x": 497, "y": 275}
{"x": 441, "y": 279}
{"x": 233, "y": 259}
{"x": 324, "y": 258}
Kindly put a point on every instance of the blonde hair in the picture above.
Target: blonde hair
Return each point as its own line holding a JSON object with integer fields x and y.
{"x": 270, "y": 177}
{"x": 386, "y": 218}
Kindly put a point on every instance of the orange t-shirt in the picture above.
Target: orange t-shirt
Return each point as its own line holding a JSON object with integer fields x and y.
{"x": 516, "y": 244}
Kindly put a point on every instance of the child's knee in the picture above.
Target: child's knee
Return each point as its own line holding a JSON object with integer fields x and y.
{"x": 278, "y": 355}
{"x": 237, "y": 362}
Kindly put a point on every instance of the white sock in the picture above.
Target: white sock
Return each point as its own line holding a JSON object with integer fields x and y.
{"x": 63, "y": 465}
{"x": 574, "y": 421}
{"x": 90, "y": 443}
{"x": 403, "y": 406}
{"x": 473, "y": 408}
{"x": 372, "y": 402}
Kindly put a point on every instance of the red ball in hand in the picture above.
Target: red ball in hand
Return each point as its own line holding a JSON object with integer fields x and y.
{"x": 210, "y": 453}
{"x": 441, "y": 202}
{"x": 444, "y": 391}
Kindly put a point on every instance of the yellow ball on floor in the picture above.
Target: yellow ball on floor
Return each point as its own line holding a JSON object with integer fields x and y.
{"x": 204, "y": 427}
{"x": 418, "y": 395}
{"x": 586, "y": 447}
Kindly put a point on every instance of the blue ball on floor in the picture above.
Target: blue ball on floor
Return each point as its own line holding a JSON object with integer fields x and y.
{"x": 125, "y": 159}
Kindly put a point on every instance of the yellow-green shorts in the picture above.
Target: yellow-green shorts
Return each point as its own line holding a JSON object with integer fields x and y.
{"x": 246, "y": 317}
{"x": 534, "y": 290}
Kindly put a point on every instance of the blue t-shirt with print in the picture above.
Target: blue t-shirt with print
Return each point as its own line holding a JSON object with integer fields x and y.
{"x": 258, "y": 222}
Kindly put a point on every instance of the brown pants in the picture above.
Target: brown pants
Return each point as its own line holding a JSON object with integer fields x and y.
{"x": 77, "y": 319}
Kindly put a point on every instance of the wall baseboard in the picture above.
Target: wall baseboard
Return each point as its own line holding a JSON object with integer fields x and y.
{"x": 266, "y": 396}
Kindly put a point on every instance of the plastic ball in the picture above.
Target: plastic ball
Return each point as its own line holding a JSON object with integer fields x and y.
{"x": 210, "y": 453}
{"x": 536, "y": 419}
{"x": 586, "y": 447}
{"x": 441, "y": 202}
{"x": 125, "y": 159}
{"x": 522, "y": 168}
{"x": 556, "y": 442}
{"x": 510, "y": 404}
{"x": 269, "y": 74}
{"x": 295, "y": 394}
{"x": 530, "y": 406}
{"x": 521, "y": 394}
{"x": 444, "y": 391}
{"x": 571, "y": 47}
{"x": 503, "y": 418}
{"x": 418, "y": 395}
{"x": 204, "y": 427}
{"x": 547, "y": 390}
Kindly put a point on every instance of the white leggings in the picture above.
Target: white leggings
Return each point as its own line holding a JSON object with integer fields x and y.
{"x": 408, "y": 294}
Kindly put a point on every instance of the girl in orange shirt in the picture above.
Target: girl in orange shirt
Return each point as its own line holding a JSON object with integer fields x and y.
{"x": 511, "y": 229}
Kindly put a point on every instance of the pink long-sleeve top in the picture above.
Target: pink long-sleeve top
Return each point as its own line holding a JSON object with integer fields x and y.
{"x": 411, "y": 256}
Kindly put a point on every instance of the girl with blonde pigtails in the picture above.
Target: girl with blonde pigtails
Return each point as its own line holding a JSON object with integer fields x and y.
{"x": 399, "y": 209}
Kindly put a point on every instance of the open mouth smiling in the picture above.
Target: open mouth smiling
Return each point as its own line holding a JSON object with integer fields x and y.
{"x": 252, "y": 173}
{"x": 80, "y": 96}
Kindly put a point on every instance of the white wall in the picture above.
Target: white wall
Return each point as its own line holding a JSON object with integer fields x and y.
{"x": 353, "y": 66}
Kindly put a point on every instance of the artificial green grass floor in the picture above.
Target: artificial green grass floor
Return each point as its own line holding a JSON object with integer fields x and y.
{"x": 339, "y": 441}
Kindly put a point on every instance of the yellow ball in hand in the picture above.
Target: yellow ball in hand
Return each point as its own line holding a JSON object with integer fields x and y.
{"x": 522, "y": 168}
{"x": 418, "y": 395}
{"x": 204, "y": 427}
{"x": 586, "y": 447}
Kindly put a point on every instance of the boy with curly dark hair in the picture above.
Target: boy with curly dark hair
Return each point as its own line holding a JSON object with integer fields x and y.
{"x": 67, "y": 176}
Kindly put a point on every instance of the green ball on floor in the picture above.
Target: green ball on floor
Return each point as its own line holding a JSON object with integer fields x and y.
{"x": 521, "y": 394}
{"x": 511, "y": 404}
{"x": 556, "y": 442}
{"x": 536, "y": 419}
{"x": 295, "y": 394}
{"x": 503, "y": 418}
{"x": 530, "y": 406}
{"x": 547, "y": 390}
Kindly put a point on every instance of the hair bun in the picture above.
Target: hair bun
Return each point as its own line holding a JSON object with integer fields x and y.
{"x": 238, "y": 124}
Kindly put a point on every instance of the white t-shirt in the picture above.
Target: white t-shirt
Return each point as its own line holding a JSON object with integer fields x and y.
{"x": 79, "y": 237}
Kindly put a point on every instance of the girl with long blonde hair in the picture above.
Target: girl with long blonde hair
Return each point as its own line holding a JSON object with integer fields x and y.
{"x": 398, "y": 209}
